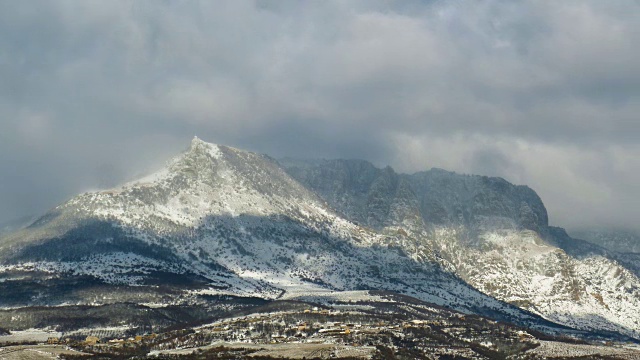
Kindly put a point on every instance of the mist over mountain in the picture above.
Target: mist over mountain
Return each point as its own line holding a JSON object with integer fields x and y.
{"x": 620, "y": 240}
{"x": 16, "y": 224}
{"x": 222, "y": 221}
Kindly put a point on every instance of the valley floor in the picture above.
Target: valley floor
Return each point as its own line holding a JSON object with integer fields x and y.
{"x": 299, "y": 330}
{"x": 38, "y": 352}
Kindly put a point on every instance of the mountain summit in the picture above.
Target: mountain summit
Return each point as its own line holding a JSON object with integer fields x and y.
{"x": 223, "y": 221}
{"x": 234, "y": 222}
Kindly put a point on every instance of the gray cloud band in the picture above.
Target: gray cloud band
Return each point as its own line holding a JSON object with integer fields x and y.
{"x": 541, "y": 93}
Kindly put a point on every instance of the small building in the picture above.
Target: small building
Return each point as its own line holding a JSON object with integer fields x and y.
{"x": 91, "y": 340}
{"x": 53, "y": 340}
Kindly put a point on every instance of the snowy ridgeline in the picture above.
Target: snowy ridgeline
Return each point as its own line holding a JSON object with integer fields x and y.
{"x": 243, "y": 225}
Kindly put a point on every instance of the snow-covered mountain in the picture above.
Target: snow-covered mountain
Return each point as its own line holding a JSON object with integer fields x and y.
{"x": 239, "y": 223}
{"x": 493, "y": 234}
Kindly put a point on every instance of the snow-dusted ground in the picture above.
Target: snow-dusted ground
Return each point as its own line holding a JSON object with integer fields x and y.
{"x": 37, "y": 335}
{"x": 551, "y": 349}
{"x": 320, "y": 295}
{"x": 519, "y": 267}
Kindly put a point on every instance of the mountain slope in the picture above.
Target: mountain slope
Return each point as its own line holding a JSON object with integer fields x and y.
{"x": 226, "y": 221}
{"x": 491, "y": 233}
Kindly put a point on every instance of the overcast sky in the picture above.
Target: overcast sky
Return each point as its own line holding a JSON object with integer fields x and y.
{"x": 543, "y": 93}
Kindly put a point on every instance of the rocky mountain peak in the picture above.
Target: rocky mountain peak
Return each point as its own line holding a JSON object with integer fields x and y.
{"x": 201, "y": 147}
{"x": 249, "y": 225}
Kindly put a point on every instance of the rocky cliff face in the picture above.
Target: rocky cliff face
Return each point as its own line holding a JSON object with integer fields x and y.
{"x": 492, "y": 234}
{"x": 381, "y": 197}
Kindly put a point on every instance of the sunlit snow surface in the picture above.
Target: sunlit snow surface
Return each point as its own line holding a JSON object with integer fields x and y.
{"x": 521, "y": 268}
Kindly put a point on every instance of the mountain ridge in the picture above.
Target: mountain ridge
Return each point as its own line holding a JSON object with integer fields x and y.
{"x": 494, "y": 235}
{"x": 235, "y": 222}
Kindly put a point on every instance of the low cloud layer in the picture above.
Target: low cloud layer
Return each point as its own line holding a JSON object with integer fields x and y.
{"x": 543, "y": 93}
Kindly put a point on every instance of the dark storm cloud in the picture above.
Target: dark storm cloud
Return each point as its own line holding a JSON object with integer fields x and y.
{"x": 540, "y": 92}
